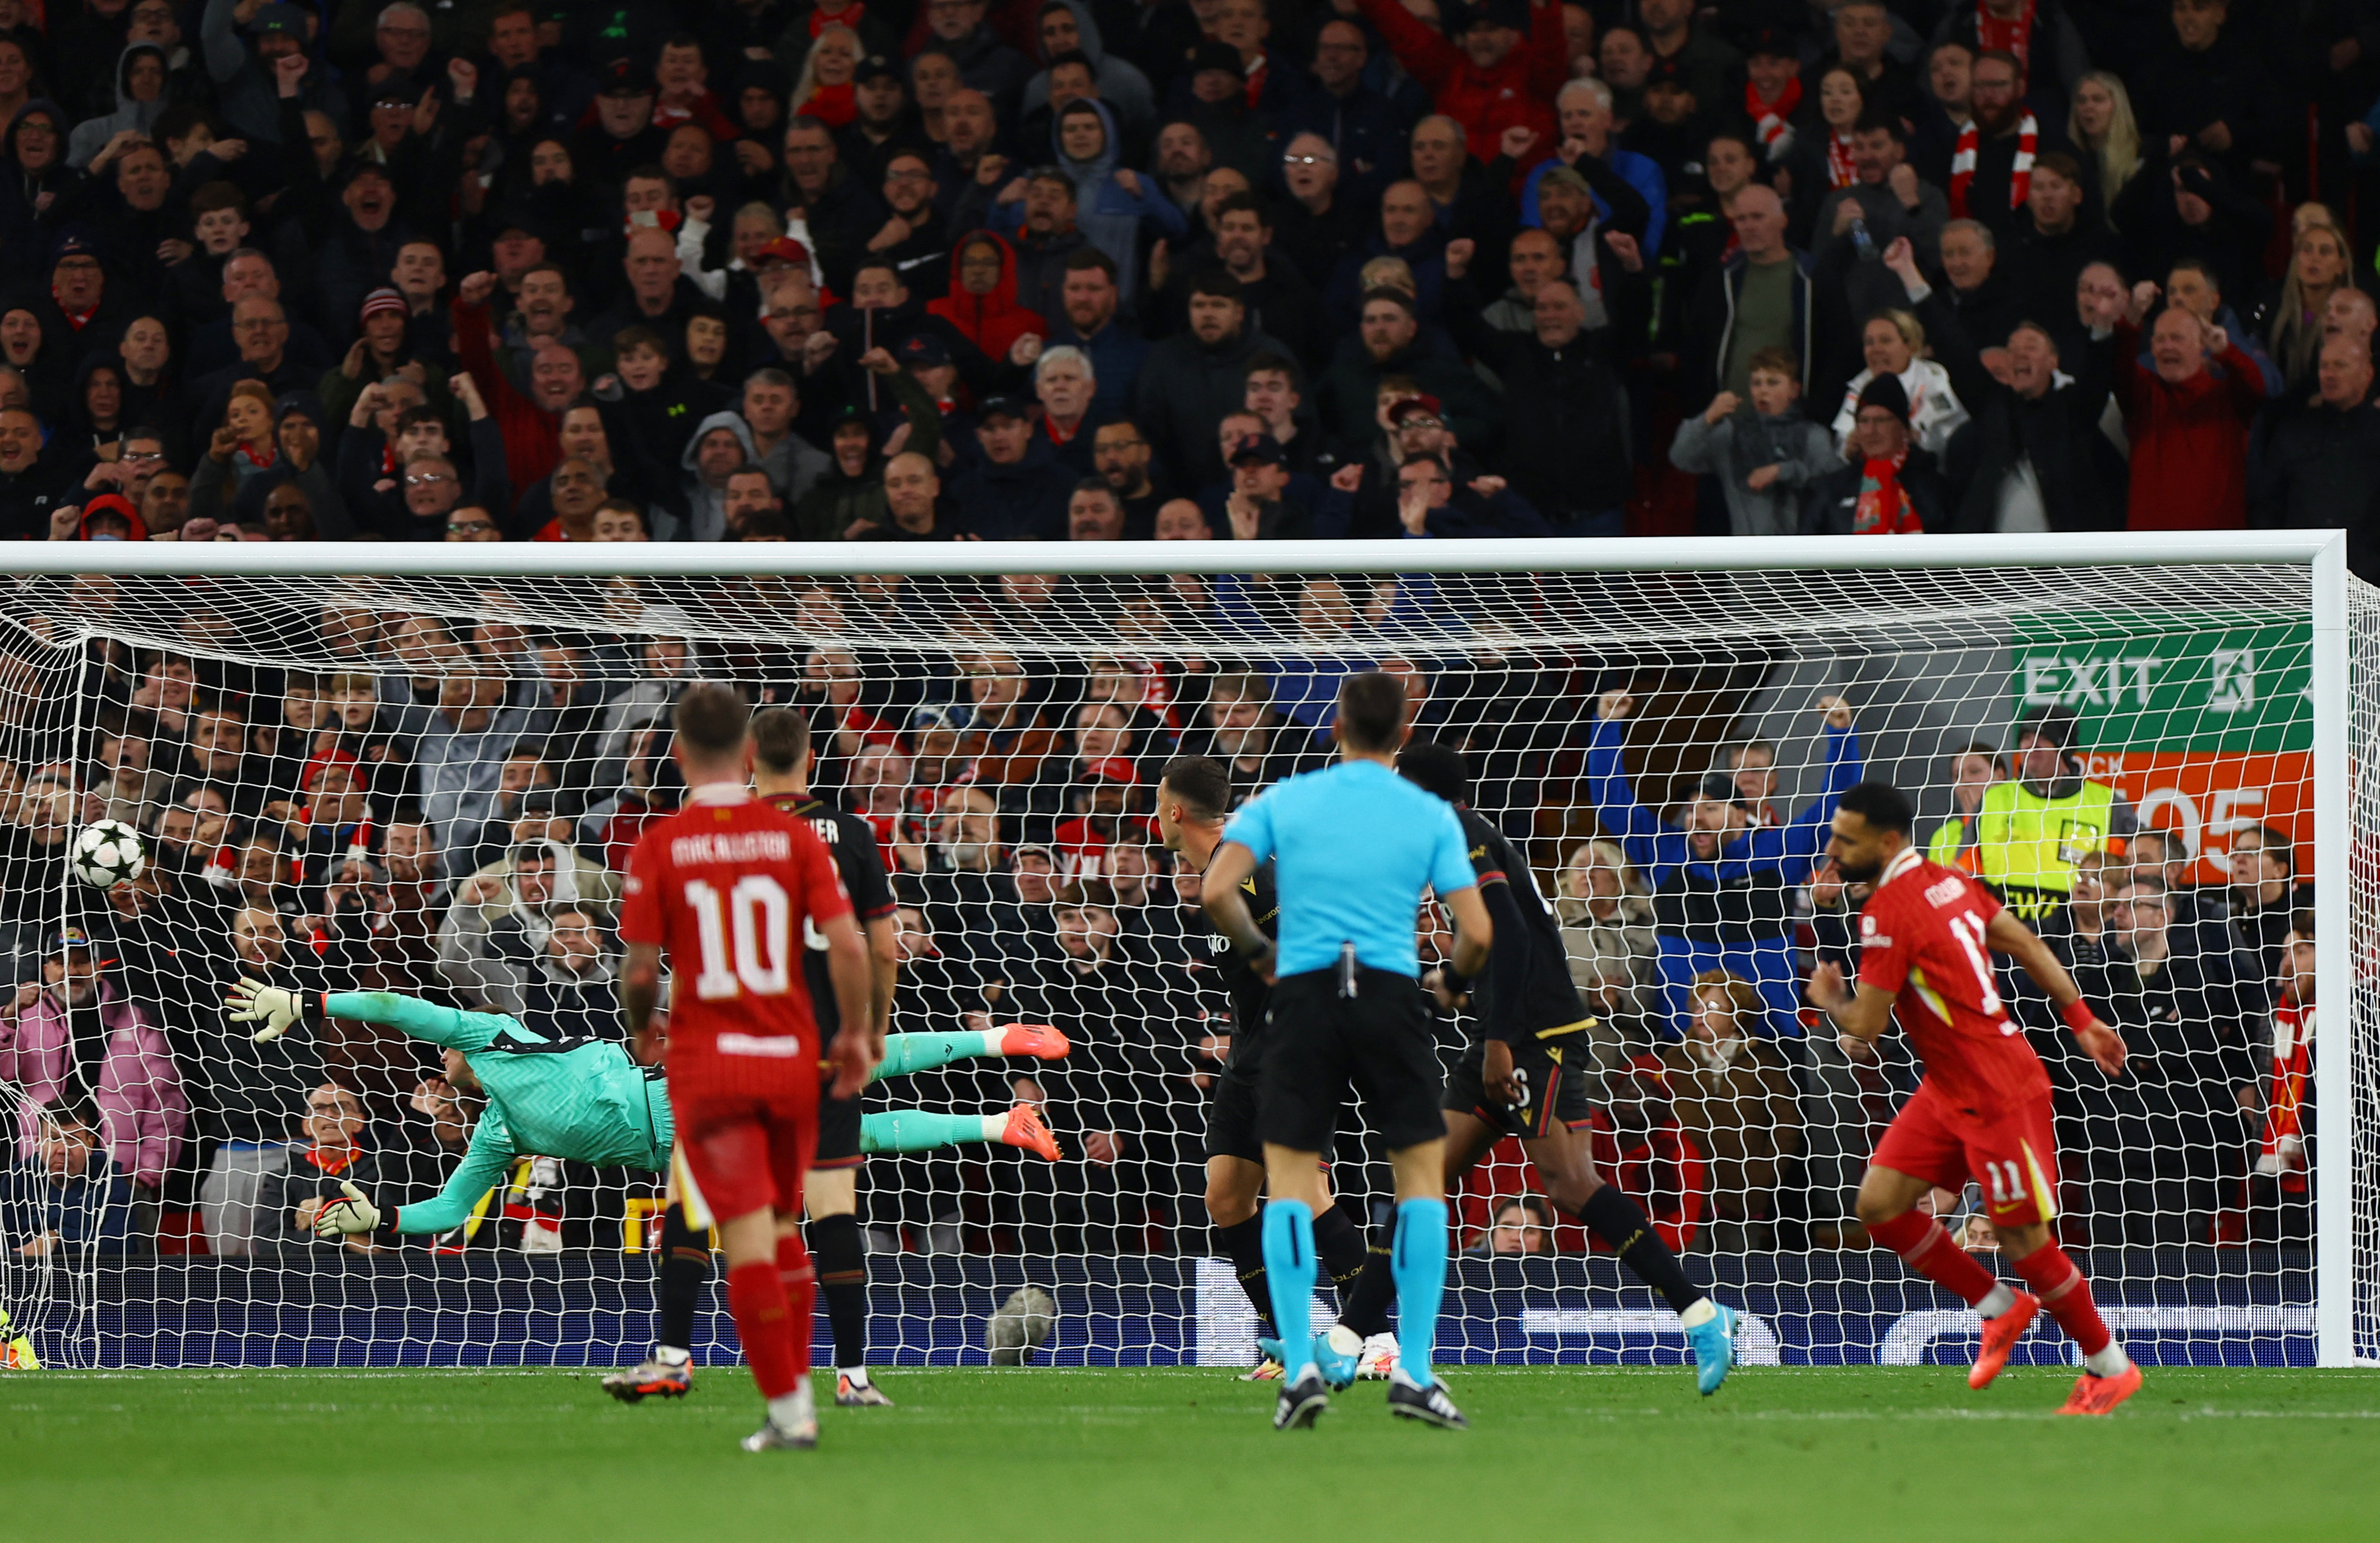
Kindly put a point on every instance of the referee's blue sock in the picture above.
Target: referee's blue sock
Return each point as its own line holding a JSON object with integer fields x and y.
{"x": 1288, "y": 1270}
{"x": 1417, "y": 1261}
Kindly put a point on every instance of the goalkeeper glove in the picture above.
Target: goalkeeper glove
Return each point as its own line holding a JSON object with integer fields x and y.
{"x": 254, "y": 1002}
{"x": 347, "y": 1217}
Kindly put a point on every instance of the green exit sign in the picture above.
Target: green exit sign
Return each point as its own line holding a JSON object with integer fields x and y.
{"x": 2236, "y": 688}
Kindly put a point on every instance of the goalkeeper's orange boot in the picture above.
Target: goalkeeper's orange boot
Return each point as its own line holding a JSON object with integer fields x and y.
{"x": 2099, "y": 1395}
{"x": 2000, "y": 1336}
{"x": 1026, "y": 1129}
{"x": 1036, "y": 1040}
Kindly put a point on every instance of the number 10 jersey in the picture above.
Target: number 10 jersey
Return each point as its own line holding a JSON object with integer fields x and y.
{"x": 726, "y": 886}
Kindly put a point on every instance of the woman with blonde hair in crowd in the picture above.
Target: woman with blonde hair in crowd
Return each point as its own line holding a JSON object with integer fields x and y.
{"x": 1606, "y": 930}
{"x": 2321, "y": 264}
{"x": 2106, "y": 130}
{"x": 824, "y": 88}
{"x": 1894, "y": 344}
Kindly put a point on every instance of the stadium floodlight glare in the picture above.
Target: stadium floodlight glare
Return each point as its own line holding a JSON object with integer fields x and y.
{"x": 2223, "y": 682}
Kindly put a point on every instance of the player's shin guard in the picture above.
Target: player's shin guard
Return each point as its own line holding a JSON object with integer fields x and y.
{"x": 800, "y": 1279}
{"x": 1243, "y": 1243}
{"x": 1418, "y": 1259}
{"x": 842, "y": 1277}
{"x": 1338, "y": 1242}
{"x": 2067, "y": 1295}
{"x": 1926, "y": 1248}
{"x": 1615, "y": 1218}
{"x": 1288, "y": 1270}
{"x": 684, "y": 1266}
{"x": 756, "y": 1294}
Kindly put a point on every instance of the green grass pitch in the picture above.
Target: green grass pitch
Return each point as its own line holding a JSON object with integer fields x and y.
{"x": 1630, "y": 1454}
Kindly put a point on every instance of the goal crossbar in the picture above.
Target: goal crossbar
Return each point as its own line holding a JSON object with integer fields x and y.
{"x": 605, "y": 560}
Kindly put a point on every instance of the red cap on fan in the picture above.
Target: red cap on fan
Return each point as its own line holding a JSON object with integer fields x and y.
{"x": 785, "y": 248}
{"x": 1113, "y": 768}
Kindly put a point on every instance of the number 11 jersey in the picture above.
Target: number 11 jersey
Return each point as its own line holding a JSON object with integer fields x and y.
{"x": 1923, "y": 937}
{"x": 726, "y": 886}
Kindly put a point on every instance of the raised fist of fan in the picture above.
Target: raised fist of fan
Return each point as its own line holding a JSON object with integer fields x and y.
{"x": 351, "y": 1214}
{"x": 252, "y": 1001}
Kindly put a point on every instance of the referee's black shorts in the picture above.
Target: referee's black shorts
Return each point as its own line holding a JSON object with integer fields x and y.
{"x": 1382, "y": 1042}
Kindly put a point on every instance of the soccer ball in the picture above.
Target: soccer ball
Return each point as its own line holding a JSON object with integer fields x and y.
{"x": 107, "y": 853}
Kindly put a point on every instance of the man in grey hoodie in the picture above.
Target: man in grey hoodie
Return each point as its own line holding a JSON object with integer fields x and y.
{"x": 793, "y": 465}
{"x": 1763, "y": 452}
{"x": 139, "y": 97}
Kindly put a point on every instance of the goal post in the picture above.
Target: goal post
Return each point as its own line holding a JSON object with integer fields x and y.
{"x": 2219, "y": 685}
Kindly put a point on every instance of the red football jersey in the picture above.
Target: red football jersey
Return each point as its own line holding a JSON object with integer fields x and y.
{"x": 728, "y": 887}
{"x": 1922, "y": 938}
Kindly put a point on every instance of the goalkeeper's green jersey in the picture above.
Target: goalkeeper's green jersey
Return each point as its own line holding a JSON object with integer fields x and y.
{"x": 583, "y": 1101}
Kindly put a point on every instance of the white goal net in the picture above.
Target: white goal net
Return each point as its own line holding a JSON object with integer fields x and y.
{"x": 430, "y": 784}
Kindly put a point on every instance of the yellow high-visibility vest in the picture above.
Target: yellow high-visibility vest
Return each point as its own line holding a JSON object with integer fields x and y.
{"x": 2025, "y": 841}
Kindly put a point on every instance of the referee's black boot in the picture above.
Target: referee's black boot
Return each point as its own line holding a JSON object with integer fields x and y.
{"x": 1302, "y": 1401}
{"x": 1430, "y": 1406}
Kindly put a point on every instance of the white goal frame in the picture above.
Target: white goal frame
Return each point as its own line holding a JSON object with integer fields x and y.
{"x": 2322, "y": 552}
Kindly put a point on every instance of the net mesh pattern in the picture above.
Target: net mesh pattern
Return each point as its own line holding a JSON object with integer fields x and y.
{"x": 431, "y": 785}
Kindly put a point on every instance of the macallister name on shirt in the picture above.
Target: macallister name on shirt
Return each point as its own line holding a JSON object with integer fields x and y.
{"x": 730, "y": 846}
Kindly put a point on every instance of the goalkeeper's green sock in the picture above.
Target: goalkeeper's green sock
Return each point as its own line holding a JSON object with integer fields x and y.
{"x": 916, "y": 1131}
{"x": 907, "y": 1053}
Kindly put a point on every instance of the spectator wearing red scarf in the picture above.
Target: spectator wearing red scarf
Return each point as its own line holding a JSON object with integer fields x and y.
{"x": 1889, "y": 487}
{"x": 2279, "y": 1195}
{"x": 288, "y": 1201}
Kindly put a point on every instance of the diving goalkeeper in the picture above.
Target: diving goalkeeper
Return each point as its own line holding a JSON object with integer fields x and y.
{"x": 589, "y": 1101}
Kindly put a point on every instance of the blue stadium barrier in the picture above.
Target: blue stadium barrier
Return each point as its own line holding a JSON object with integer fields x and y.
{"x": 2173, "y": 1306}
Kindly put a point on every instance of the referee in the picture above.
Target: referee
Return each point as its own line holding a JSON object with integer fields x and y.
{"x": 1353, "y": 850}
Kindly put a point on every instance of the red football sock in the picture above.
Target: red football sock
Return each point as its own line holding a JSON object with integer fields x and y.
{"x": 801, "y": 1292}
{"x": 764, "y": 1322}
{"x": 1926, "y": 1248}
{"x": 2066, "y": 1294}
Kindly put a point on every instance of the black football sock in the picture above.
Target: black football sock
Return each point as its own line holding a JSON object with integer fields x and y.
{"x": 1339, "y": 1245}
{"x": 1366, "y": 1309}
{"x": 842, "y": 1277}
{"x": 1614, "y": 1218}
{"x": 1243, "y": 1243}
{"x": 684, "y": 1268}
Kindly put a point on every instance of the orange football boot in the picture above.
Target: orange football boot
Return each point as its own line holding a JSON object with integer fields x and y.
{"x": 1038, "y": 1040}
{"x": 1026, "y": 1130}
{"x": 2000, "y": 1336}
{"x": 2099, "y": 1395}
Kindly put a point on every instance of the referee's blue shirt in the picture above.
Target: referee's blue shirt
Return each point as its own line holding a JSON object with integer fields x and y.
{"x": 1353, "y": 848}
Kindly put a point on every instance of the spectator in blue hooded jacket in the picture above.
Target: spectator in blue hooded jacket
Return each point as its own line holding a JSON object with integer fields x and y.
{"x": 1111, "y": 202}
{"x": 1722, "y": 885}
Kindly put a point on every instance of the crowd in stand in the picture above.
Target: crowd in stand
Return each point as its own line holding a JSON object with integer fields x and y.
{"x": 759, "y": 270}
{"x": 1079, "y": 270}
